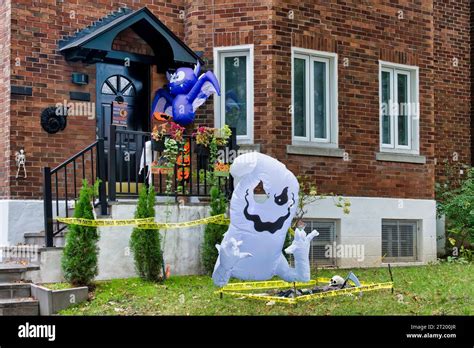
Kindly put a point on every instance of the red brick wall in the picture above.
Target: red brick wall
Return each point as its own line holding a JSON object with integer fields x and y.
{"x": 36, "y": 29}
{"x": 452, "y": 65}
{"x": 359, "y": 31}
{"x": 4, "y": 97}
{"x": 226, "y": 23}
{"x": 362, "y": 31}
{"x": 129, "y": 41}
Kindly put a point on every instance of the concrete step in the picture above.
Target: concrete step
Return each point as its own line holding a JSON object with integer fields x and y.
{"x": 37, "y": 238}
{"x": 19, "y": 306}
{"x": 11, "y": 272}
{"x": 14, "y": 290}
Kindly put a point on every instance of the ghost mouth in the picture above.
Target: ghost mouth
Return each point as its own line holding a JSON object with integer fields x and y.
{"x": 261, "y": 226}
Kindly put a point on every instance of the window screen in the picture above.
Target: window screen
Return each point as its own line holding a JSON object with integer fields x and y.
{"x": 327, "y": 236}
{"x": 399, "y": 240}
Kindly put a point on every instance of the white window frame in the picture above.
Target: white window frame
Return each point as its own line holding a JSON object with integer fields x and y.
{"x": 416, "y": 240}
{"x": 331, "y": 59}
{"x": 219, "y": 106}
{"x": 412, "y": 73}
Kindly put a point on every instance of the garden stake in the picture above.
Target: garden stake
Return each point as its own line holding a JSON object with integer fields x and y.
{"x": 391, "y": 275}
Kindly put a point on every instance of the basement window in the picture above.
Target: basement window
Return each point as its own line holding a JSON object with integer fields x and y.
{"x": 318, "y": 255}
{"x": 399, "y": 240}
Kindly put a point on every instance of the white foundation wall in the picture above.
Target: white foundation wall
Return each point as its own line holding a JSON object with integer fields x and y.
{"x": 182, "y": 247}
{"x": 363, "y": 226}
{"x": 18, "y": 217}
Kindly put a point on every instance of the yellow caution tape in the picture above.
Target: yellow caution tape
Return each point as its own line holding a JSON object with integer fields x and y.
{"x": 270, "y": 284}
{"x": 145, "y": 224}
{"x": 234, "y": 289}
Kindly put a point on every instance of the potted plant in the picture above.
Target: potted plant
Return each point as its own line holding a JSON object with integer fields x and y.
{"x": 221, "y": 169}
{"x": 165, "y": 164}
{"x": 171, "y": 151}
{"x": 176, "y": 132}
{"x": 203, "y": 137}
{"x": 222, "y": 136}
{"x": 161, "y": 166}
{"x": 158, "y": 137}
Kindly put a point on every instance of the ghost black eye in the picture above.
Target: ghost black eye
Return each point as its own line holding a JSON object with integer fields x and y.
{"x": 282, "y": 198}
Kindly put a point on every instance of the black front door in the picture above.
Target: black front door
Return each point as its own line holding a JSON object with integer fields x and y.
{"x": 130, "y": 85}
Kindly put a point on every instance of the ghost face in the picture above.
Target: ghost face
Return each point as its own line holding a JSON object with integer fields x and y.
{"x": 181, "y": 81}
{"x": 271, "y": 226}
{"x": 271, "y": 212}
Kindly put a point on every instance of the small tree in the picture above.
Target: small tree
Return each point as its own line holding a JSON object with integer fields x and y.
{"x": 79, "y": 260}
{"x": 146, "y": 244}
{"x": 213, "y": 233}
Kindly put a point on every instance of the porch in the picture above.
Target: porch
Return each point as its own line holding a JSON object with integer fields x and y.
{"x": 122, "y": 170}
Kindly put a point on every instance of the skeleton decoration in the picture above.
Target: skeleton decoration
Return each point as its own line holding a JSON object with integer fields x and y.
{"x": 20, "y": 159}
{"x": 336, "y": 281}
{"x": 185, "y": 92}
{"x": 252, "y": 246}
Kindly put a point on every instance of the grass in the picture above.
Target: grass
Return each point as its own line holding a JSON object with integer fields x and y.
{"x": 58, "y": 286}
{"x": 441, "y": 289}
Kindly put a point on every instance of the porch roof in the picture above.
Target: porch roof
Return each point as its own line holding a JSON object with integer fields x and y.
{"x": 94, "y": 43}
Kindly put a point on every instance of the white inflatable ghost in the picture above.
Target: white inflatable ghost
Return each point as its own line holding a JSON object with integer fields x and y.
{"x": 252, "y": 246}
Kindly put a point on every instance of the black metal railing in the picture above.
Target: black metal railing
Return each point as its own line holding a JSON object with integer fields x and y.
{"x": 128, "y": 168}
{"x": 121, "y": 166}
{"x": 62, "y": 185}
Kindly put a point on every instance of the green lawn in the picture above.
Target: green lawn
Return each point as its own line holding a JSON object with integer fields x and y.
{"x": 442, "y": 289}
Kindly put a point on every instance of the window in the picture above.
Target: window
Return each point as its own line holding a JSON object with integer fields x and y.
{"x": 314, "y": 97}
{"x": 118, "y": 85}
{"x": 234, "y": 70}
{"x": 399, "y": 242}
{"x": 398, "y": 108}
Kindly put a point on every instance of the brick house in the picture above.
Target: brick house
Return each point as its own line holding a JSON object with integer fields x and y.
{"x": 314, "y": 81}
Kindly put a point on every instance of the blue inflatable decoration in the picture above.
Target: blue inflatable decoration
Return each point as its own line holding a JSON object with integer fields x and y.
{"x": 185, "y": 92}
{"x": 252, "y": 246}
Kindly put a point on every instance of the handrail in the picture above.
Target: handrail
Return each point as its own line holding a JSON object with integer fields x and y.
{"x": 119, "y": 168}
{"x": 126, "y": 131}
{"x": 76, "y": 156}
{"x": 97, "y": 171}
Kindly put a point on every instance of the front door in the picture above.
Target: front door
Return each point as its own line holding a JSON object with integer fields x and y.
{"x": 129, "y": 85}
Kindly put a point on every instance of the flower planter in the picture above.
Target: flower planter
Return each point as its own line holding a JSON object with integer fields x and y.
{"x": 53, "y": 301}
{"x": 221, "y": 170}
{"x": 157, "y": 169}
{"x": 221, "y": 174}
